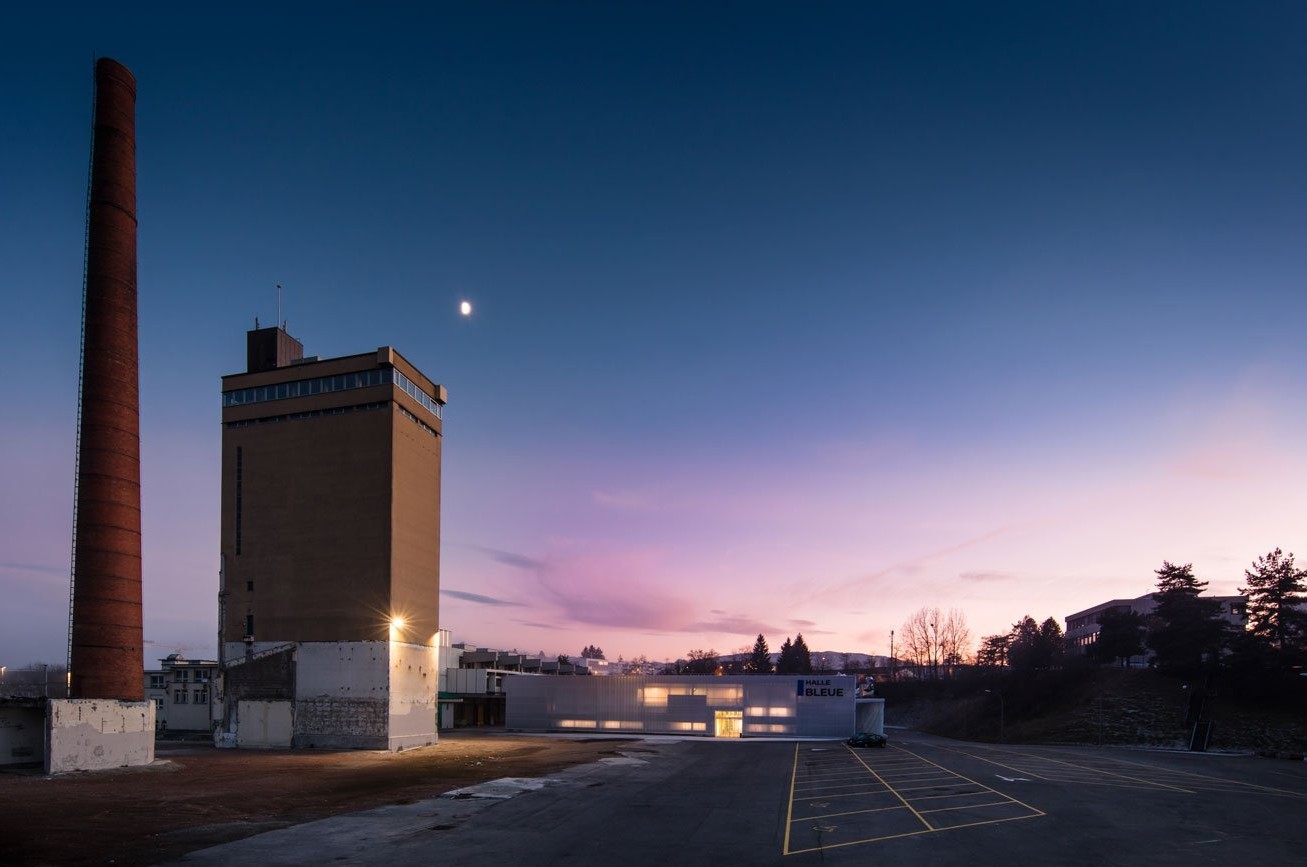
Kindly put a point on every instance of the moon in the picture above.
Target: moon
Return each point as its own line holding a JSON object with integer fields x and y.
{"x": 465, "y": 307}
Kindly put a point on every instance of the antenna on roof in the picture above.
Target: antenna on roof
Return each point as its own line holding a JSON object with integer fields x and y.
{"x": 279, "y": 305}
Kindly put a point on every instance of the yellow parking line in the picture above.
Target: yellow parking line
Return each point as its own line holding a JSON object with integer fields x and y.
{"x": 843, "y": 795}
{"x": 833, "y": 781}
{"x": 850, "y": 813}
{"x": 832, "y": 788}
{"x": 954, "y": 795}
{"x": 887, "y": 786}
{"x": 969, "y": 780}
{"x": 858, "y": 842}
{"x": 789, "y": 808}
{"x": 926, "y": 788}
{"x": 992, "y": 762}
{"x": 892, "y": 789}
{"x": 968, "y": 807}
{"x": 1101, "y": 772}
{"x": 1226, "y": 780}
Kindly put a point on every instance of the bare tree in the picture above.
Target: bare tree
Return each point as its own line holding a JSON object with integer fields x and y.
{"x": 919, "y": 645}
{"x": 955, "y": 641}
{"x": 936, "y": 642}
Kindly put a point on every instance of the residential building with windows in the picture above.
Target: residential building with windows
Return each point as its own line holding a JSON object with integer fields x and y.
{"x": 183, "y": 692}
{"x": 328, "y": 607}
{"x": 1082, "y": 627}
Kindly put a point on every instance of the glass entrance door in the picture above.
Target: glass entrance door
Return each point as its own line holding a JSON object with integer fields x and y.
{"x": 729, "y": 723}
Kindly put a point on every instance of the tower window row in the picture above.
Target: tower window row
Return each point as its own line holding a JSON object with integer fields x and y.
{"x": 328, "y": 384}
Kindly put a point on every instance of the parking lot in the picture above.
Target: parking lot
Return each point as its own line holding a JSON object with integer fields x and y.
{"x": 921, "y": 800}
{"x": 843, "y": 797}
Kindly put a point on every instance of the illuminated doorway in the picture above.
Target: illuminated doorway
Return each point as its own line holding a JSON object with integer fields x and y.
{"x": 729, "y": 723}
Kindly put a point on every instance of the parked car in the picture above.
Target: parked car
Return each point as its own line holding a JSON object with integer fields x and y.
{"x": 867, "y": 739}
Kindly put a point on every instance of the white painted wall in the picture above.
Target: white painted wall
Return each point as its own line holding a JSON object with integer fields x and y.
{"x": 342, "y": 694}
{"x": 414, "y": 682}
{"x": 369, "y": 694}
{"x": 342, "y": 669}
{"x": 264, "y": 724}
{"x": 91, "y": 734}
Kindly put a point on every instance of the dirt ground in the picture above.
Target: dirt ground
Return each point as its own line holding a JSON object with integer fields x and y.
{"x": 196, "y": 796}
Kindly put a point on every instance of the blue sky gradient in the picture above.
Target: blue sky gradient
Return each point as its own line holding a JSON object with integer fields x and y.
{"x": 786, "y": 317}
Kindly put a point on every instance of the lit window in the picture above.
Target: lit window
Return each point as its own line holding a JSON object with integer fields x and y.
{"x": 725, "y": 696}
{"x": 654, "y": 696}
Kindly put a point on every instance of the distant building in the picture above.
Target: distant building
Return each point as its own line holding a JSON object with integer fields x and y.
{"x": 472, "y": 680}
{"x": 1082, "y": 627}
{"x": 182, "y": 691}
{"x": 330, "y": 538}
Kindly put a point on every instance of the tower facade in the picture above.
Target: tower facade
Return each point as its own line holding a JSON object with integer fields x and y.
{"x": 329, "y": 601}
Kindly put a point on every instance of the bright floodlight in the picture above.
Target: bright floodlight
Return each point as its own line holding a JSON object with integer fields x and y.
{"x": 397, "y": 622}
{"x": 465, "y": 307}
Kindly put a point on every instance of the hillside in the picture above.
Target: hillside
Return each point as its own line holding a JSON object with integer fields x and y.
{"x": 1092, "y": 706}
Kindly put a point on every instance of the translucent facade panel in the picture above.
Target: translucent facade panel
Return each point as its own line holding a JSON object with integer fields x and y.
{"x": 654, "y": 696}
{"x": 726, "y": 696}
{"x": 772, "y": 705}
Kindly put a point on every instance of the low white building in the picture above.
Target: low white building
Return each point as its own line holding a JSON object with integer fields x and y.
{"x": 183, "y": 693}
{"x": 732, "y": 706}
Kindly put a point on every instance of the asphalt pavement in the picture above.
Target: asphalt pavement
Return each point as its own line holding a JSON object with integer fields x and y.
{"x": 921, "y": 800}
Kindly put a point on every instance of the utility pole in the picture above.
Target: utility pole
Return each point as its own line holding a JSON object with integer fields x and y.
{"x": 891, "y": 655}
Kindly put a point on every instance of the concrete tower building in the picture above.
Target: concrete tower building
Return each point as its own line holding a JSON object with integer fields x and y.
{"x": 328, "y": 609}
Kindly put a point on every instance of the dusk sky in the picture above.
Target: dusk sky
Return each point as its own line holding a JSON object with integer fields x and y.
{"x": 787, "y": 318}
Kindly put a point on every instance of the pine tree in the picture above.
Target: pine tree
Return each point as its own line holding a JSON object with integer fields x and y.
{"x": 1275, "y": 592}
{"x": 993, "y": 651}
{"x": 802, "y": 658}
{"x": 786, "y": 664}
{"x": 759, "y": 661}
{"x": 1052, "y": 642}
{"x": 1120, "y": 636}
{"x": 1025, "y": 650}
{"x": 1186, "y": 632}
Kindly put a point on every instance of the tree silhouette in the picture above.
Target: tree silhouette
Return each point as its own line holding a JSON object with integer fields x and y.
{"x": 1120, "y": 636}
{"x": 1275, "y": 592}
{"x": 802, "y": 656}
{"x": 702, "y": 662}
{"x": 1186, "y": 633}
{"x": 1035, "y": 646}
{"x": 759, "y": 661}
{"x": 785, "y": 663}
{"x": 993, "y": 650}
